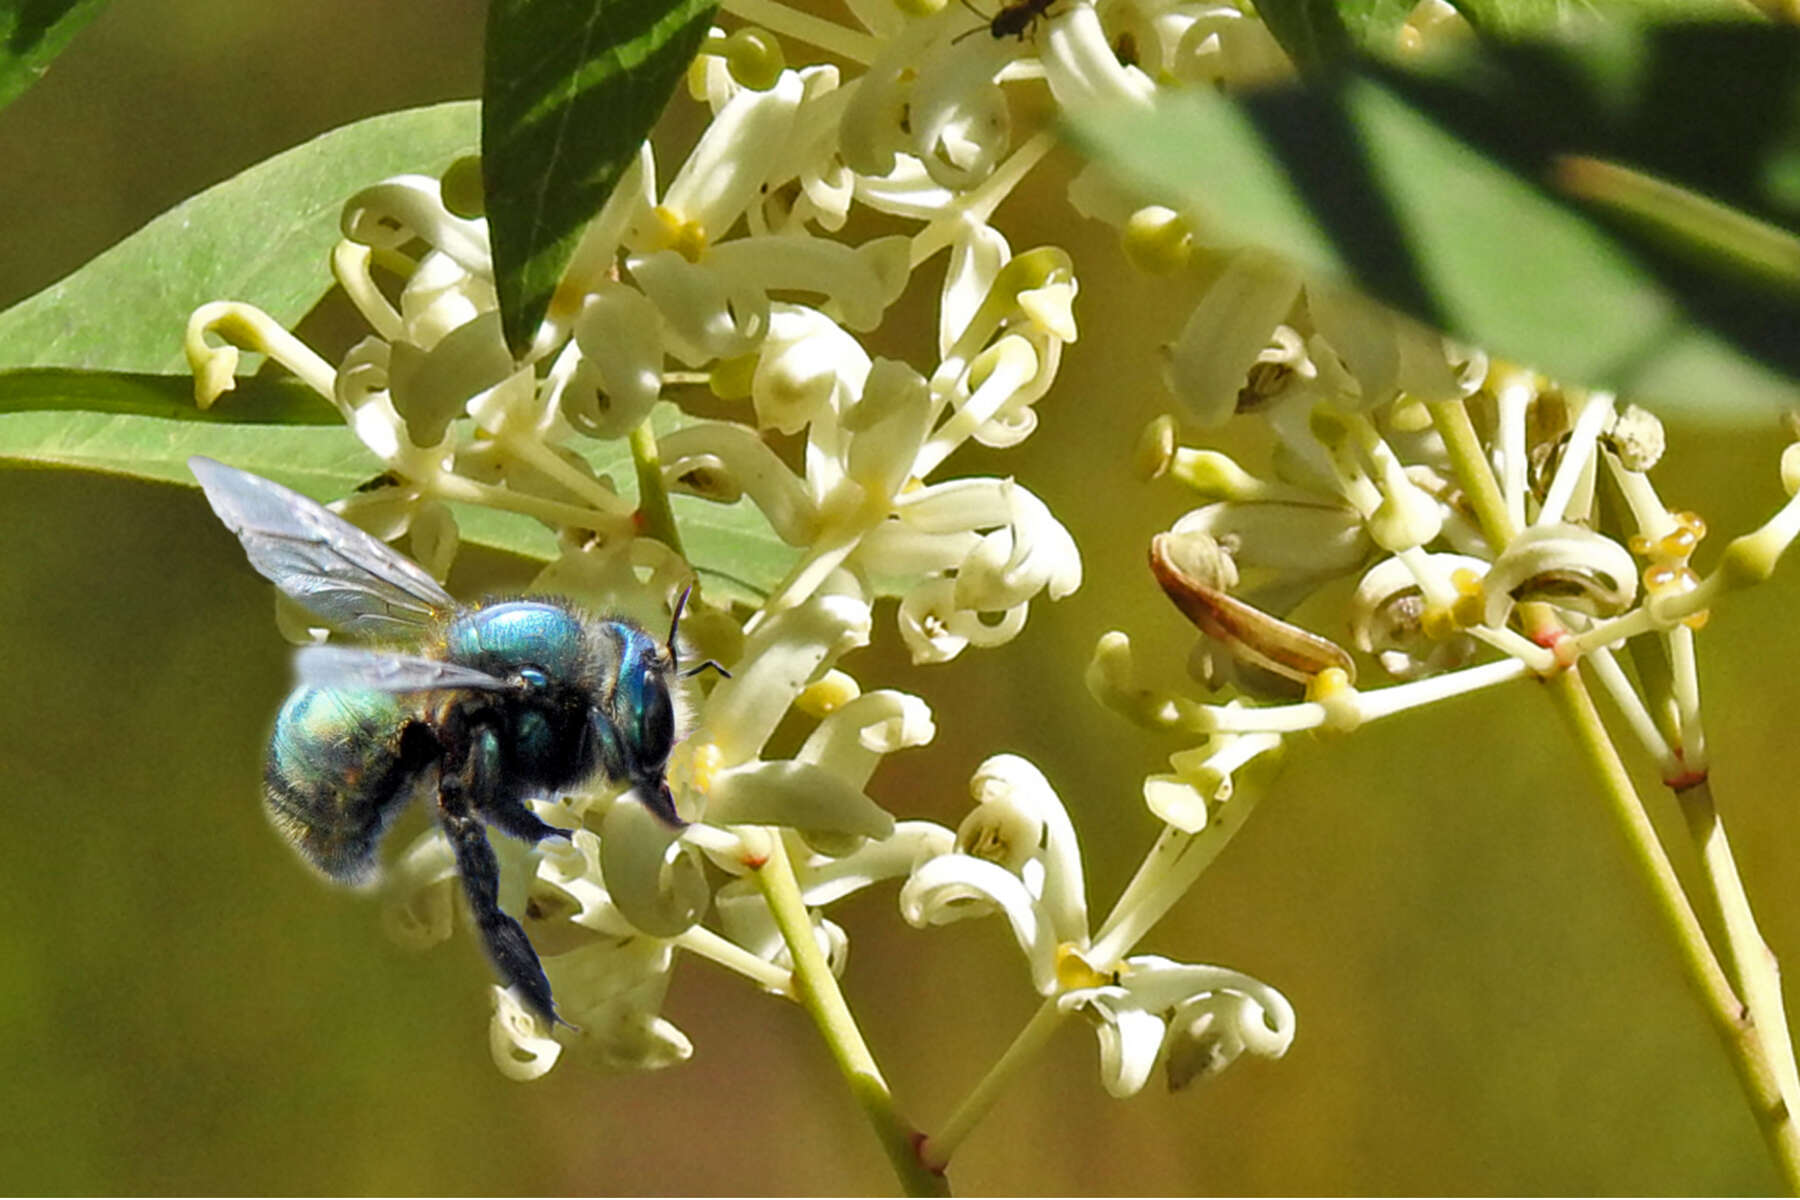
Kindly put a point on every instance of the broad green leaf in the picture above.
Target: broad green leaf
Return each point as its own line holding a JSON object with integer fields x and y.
{"x": 1313, "y": 32}
{"x": 572, "y": 89}
{"x": 32, "y": 32}
{"x": 731, "y": 545}
{"x": 263, "y": 236}
{"x": 1524, "y": 18}
{"x": 1613, "y": 212}
{"x": 257, "y": 400}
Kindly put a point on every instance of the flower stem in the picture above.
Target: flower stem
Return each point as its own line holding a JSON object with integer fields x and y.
{"x": 1451, "y": 420}
{"x": 818, "y": 991}
{"x": 1733, "y": 1024}
{"x": 938, "y": 1149}
{"x": 1752, "y": 967}
{"x": 657, "y": 518}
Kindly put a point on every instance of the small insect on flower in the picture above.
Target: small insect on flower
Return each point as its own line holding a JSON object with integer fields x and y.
{"x": 1015, "y": 20}
{"x": 502, "y": 702}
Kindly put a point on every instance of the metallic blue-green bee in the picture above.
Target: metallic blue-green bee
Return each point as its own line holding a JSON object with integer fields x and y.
{"x": 502, "y": 702}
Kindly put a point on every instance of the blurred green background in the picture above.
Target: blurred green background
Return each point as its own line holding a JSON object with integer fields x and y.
{"x": 1484, "y": 1004}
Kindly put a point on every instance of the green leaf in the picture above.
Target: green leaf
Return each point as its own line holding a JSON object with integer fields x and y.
{"x": 731, "y": 546}
{"x": 1619, "y": 213}
{"x": 257, "y": 400}
{"x": 32, "y": 32}
{"x": 263, "y": 236}
{"x": 1523, "y": 18}
{"x": 1313, "y": 32}
{"x": 572, "y": 89}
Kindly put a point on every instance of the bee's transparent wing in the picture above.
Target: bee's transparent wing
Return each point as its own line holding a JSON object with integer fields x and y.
{"x": 352, "y": 581}
{"x": 378, "y": 670}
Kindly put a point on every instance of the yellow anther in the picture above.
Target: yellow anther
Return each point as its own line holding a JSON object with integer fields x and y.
{"x": 1438, "y": 622}
{"x": 1697, "y": 620}
{"x": 826, "y": 695}
{"x": 704, "y": 761}
{"x": 1690, "y": 521}
{"x": 1677, "y": 545}
{"x": 1640, "y": 545}
{"x": 674, "y": 232}
{"x": 1074, "y": 971}
{"x": 1670, "y": 579}
{"x": 1332, "y": 681}
{"x": 1466, "y": 581}
{"x": 731, "y": 378}
{"x": 1469, "y": 610}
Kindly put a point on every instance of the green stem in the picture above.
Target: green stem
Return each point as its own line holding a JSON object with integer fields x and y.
{"x": 657, "y": 518}
{"x": 818, "y": 991}
{"x": 938, "y": 1149}
{"x": 1751, "y": 966}
{"x": 1730, "y": 1020}
{"x": 1451, "y": 420}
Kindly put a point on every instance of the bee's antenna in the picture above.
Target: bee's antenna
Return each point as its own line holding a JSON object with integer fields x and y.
{"x": 675, "y": 624}
{"x": 680, "y": 607}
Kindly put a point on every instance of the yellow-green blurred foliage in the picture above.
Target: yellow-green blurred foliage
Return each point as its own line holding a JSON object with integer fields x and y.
{"x": 1483, "y": 1002}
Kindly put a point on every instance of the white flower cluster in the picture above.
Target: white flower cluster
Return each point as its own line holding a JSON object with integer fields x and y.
{"x": 1432, "y": 505}
{"x": 734, "y": 275}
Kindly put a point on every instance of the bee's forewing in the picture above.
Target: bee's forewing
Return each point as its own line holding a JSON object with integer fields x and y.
{"x": 353, "y": 582}
{"x": 378, "y": 670}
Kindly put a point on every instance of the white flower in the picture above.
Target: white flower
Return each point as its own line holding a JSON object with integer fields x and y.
{"x": 1017, "y": 855}
{"x": 1196, "y": 1019}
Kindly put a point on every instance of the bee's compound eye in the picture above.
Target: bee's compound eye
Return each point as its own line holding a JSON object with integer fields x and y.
{"x": 534, "y": 677}
{"x": 656, "y": 718}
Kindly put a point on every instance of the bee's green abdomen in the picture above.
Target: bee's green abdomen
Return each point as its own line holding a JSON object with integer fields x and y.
{"x": 341, "y": 765}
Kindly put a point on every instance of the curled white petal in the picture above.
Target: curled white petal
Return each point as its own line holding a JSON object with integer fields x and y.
{"x": 958, "y": 117}
{"x": 1209, "y": 1033}
{"x": 828, "y": 879}
{"x": 619, "y": 332}
{"x": 613, "y": 989}
{"x": 797, "y": 794}
{"x": 420, "y": 909}
{"x": 726, "y": 170}
{"x": 1008, "y": 780}
{"x": 1130, "y": 1038}
{"x": 1083, "y": 69}
{"x": 954, "y": 886}
{"x": 1362, "y": 334}
{"x": 905, "y": 190}
{"x": 709, "y": 316}
{"x": 1570, "y": 566}
{"x": 392, "y": 213}
{"x": 517, "y": 1041}
{"x": 976, "y": 257}
{"x": 1210, "y": 362}
{"x": 1031, "y": 553}
{"x": 1387, "y": 615}
{"x": 432, "y": 387}
{"x": 722, "y": 460}
{"x": 782, "y": 656}
{"x": 808, "y": 367}
{"x": 859, "y": 282}
{"x": 850, "y": 741}
{"x": 887, "y": 426}
{"x": 654, "y": 880}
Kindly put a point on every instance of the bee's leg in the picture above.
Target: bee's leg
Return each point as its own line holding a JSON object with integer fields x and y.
{"x": 507, "y": 946}
{"x": 516, "y": 818}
